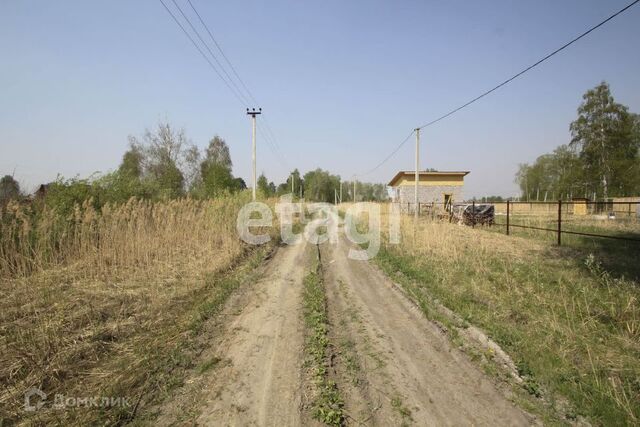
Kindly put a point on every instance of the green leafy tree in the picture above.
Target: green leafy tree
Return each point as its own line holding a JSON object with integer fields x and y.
{"x": 218, "y": 152}
{"x": 192, "y": 172}
{"x": 365, "y": 192}
{"x": 9, "y": 189}
{"x": 132, "y": 162}
{"x": 297, "y": 182}
{"x": 64, "y": 194}
{"x": 262, "y": 186}
{"x": 217, "y": 179}
{"x": 603, "y": 133}
{"x": 127, "y": 181}
{"x": 239, "y": 184}
{"x": 283, "y": 189}
{"x": 522, "y": 179}
{"x": 164, "y": 152}
{"x": 170, "y": 180}
{"x": 602, "y": 158}
{"x": 215, "y": 170}
{"x": 319, "y": 185}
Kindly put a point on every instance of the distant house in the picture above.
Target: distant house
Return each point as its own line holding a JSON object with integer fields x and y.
{"x": 41, "y": 192}
{"x": 440, "y": 188}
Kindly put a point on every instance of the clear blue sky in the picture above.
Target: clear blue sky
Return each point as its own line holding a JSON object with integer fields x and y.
{"x": 341, "y": 82}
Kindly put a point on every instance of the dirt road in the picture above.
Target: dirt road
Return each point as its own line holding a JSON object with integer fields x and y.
{"x": 405, "y": 367}
{"x": 261, "y": 383}
{"x": 391, "y": 365}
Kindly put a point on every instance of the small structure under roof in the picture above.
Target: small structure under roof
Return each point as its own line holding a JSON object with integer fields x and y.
{"x": 435, "y": 188}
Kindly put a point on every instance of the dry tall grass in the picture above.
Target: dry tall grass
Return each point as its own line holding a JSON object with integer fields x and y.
{"x": 136, "y": 236}
{"x": 88, "y": 299}
{"x": 572, "y": 328}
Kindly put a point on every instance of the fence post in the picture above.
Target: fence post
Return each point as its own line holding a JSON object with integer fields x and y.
{"x": 507, "y": 217}
{"x": 559, "y": 222}
{"x": 473, "y": 214}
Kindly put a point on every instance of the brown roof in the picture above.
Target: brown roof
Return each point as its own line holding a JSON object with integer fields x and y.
{"x": 424, "y": 173}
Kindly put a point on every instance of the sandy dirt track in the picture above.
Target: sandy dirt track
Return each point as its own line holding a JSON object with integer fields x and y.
{"x": 408, "y": 372}
{"x": 261, "y": 384}
{"x": 392, "y": 366}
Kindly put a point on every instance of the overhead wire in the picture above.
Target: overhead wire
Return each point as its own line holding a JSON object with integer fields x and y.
{"x": 233, "y": 69}
{"x": 505, "y": 82}
{"x": 404, "y": 141}
{"x": 206, "y": 45}
{"x": 279, "y": 155}
{"x": 530, "y": 67}
{"x": 206, "y": 58}
{"x": 231, "y": 85}
{"x": 272, "y": 135}
{"x": 268, "y": 133}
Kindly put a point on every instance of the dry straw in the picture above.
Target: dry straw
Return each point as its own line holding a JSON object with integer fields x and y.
{"x": 85, "y": 296}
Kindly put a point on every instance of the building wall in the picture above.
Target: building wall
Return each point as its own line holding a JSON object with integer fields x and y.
{"x": 448, "y": 180}
{"x": 427, "y": 194}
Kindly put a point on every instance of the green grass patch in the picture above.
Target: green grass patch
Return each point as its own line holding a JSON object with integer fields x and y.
{"x": 572, "y": 328}
{"x": 405, "y": 413}
{"x": 208, "y": 365}
{"x": 327, "y": 407}
{"x": 618, "y": 256}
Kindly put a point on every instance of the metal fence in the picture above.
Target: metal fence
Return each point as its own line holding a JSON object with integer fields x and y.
{"x": 558, "y": 217}
{"x": 562, "y": 214}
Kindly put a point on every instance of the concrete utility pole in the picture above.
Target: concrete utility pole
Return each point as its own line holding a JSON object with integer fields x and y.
{"x": 340, "y": 191}
{"x": 417, "y": 173}
{"x": 335, "y": 196}
{"x": 253, "y": 113}
{"x": 292, "y": 178}
{"x": 354, "y": 191}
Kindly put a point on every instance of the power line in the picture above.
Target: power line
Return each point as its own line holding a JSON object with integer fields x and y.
{"x": 404, "y": 141}
{"x": 530, "y": 67}
{"x": 222, "y": 53}
{"x": 271, "y": 133}
{"x": 237, "y": 92}
{"x": 206, "y": 58}
{"x": 206, "y": 45}
{"x": 266, "y": 130}
{"x": 274, "y": 148}
{"x": 455, "y": 110}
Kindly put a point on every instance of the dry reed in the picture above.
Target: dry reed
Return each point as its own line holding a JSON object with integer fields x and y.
{"x": 89, "y": 297}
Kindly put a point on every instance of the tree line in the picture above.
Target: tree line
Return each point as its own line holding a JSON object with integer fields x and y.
{"x": 602, "y": 160}
{"x": 163, "y": 164}
{"x": 321, "y": 186}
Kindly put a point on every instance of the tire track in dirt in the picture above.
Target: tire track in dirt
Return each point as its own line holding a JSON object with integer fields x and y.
{"x": 404, "y": 369}
{"x": 262, "y": 382}
{"x": 392, "y": 366}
